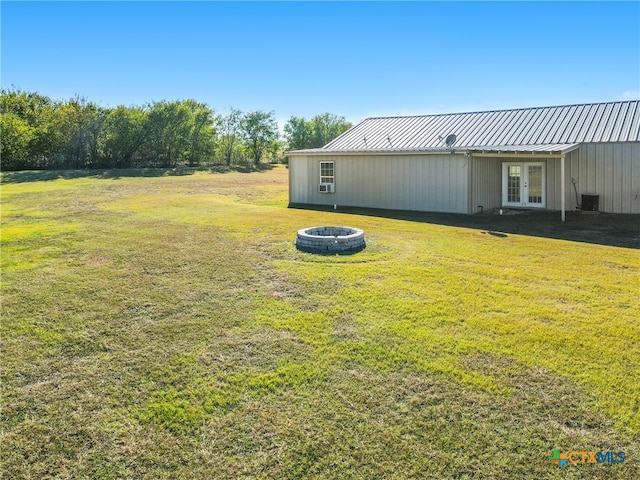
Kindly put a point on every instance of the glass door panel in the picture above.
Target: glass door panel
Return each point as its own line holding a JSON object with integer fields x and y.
{"x": 534, "y": 185}
{"x": 514, "y": 183}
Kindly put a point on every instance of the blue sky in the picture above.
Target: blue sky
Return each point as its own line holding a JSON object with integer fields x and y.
{"x": 300, "y": 58}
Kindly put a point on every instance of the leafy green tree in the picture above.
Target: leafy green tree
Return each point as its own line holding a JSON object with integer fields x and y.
{"x": 202, "y": 136}
{"x": 16, "y": 136}
{"x": 314, "y": 133}
{"x": 275, "y": 150}
{"x": 168, "y": 134}
{"x": 230, "y": 139}
{"x": 24, "y": 105}
{"x": 298, "y": 133}
{"x": 122, "y": 136}
{"x": 258, "y": 130}
{"x": 36, "y": 138}
{"x": 179, "y": 132}
{"x": 40, "y": 133}
{"x": 79, "y": 122}
{"x": 327, "y": 127}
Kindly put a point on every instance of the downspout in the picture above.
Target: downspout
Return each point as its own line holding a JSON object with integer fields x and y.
{"x": 562, "y": 190}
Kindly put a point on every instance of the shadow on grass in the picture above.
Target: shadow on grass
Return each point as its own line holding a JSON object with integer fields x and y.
{"x": 24, "y": 176}
{"x": 616, "y": 230}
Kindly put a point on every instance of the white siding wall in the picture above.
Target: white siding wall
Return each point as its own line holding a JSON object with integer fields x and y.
{"x": 298, "y": 180}
{"x": 553, "y": 183}
{"x": 610, "y": 170}
{"x": 435, "y": 183}
{"x": 486, "y": 183}
{"x": 440, "y": 183}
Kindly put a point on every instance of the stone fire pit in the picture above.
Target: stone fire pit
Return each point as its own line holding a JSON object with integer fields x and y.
{"x": 330, "y": 240}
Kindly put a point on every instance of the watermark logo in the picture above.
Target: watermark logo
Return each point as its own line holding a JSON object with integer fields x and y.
{"x": 561, "y": 459}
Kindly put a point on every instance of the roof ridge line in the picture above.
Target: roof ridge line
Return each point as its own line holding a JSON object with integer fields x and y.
{"x": 500, "y": 110}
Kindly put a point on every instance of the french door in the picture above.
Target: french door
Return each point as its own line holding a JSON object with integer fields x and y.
{"x": 523, "y": 184}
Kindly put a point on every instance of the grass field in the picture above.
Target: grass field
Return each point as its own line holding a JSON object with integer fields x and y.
{"x": 166, "y": 327}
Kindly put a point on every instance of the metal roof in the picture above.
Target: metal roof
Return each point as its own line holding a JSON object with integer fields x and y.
{"x": 551, "y": 129}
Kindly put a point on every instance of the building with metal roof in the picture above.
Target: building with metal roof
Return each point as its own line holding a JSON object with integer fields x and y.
{"x": 543, "y": 157}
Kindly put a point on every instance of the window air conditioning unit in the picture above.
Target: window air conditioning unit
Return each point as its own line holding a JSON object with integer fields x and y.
{"x": 325, "y": 188}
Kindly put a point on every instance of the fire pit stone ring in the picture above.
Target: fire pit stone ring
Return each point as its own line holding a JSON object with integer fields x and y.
{"x": 330, "y": 240}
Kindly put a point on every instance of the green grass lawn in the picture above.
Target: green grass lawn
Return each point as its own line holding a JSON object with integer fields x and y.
{"x": 166, "y": 327}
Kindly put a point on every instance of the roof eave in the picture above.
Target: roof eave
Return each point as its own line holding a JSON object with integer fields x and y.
{"x": 372, "y": 151}
{"x": 529, "y": 151}
{"x": 543, "y": 151}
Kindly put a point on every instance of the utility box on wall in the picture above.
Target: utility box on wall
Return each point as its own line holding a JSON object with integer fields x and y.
{"x": 590, "y": 202}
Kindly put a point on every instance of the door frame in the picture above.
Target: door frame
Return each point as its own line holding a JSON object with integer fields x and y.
{"x": 524, "y": 187}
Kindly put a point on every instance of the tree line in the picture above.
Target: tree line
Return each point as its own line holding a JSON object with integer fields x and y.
{"x": 37, "y": 132}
